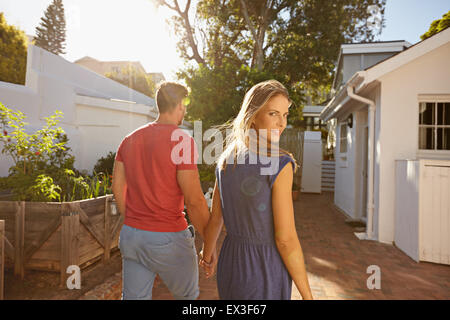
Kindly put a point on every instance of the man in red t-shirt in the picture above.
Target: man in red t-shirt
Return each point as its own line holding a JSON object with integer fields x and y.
{"x": 155, "y": 174}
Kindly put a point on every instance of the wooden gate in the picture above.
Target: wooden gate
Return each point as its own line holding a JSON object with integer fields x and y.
{"x": 292, "y": 141}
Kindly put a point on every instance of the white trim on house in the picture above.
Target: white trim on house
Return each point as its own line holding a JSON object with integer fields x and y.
{"x": 375, "y": 47}
{"x": 117, "y": 104}
{"x": 430, "y": 153}
{"x": 362, "y": 79}
{"x": 312, "y": 111}
{"x": 433, "y": 97}
{"x": 406, "y": 56}
{"x": 368, "y": 48}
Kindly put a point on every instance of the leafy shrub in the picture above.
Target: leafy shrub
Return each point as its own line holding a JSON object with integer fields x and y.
{"x": 43, "y": 168}
{"x": 105, "y": 164}
{"x": 206, "y": 172}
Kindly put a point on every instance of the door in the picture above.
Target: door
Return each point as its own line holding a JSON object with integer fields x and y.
{"x": 434, "y": 215}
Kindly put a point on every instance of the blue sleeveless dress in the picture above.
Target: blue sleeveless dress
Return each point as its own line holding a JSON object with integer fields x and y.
{"x": 250, "y": 266}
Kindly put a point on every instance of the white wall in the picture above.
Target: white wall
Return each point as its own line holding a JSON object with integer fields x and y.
{"x": 102, "y": 124}
{"x": 348, "y": 178}
{"x": 428, "y": 74}
{"x": 94, "y": 123}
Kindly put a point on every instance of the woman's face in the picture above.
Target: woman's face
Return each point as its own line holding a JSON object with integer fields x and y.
{"x": 272, "y": 117}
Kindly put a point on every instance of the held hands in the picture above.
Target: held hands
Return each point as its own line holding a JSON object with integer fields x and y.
{"x": 208, "y": 266}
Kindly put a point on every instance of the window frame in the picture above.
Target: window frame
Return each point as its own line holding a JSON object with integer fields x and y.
{"x": 343, "y": 155}
{"x": 435, "y": 99}
{"x": 342, "y": 139}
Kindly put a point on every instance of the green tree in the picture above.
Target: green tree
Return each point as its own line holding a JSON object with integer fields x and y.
{"x": 134, "y": 79}
{"x": 437, "y": 26}
{"x": 51, "y": 33}
{"x": 13, "y": 53}
{"x": 235, "y": 42}
{"x": 217, "y": 93}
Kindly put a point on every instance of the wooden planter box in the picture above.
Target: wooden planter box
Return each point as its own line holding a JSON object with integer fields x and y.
{"x": 2, "y": 258}
{"x": 51, "y": 236}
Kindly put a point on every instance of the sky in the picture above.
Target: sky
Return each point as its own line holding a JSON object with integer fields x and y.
{"x": 135, "y": 30}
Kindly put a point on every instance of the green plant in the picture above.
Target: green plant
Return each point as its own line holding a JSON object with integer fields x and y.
{"x": 105, "y": 164}
{"x": 206, "y": 172}
{"x": 86, "y": 187}
{"x": 34, "y": 154}
{"x": 43, "y": 168}
{"x": 4, "y": 183}
{"x": 44, "y": 189}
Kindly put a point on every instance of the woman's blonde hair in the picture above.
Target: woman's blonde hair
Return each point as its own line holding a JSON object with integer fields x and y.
{"x": 237, "y": 143}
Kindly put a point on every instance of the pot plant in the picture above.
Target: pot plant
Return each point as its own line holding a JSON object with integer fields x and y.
{"x": 295, "y": 191}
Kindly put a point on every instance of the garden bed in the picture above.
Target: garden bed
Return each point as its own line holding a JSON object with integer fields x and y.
{"x": 50, "y": 236}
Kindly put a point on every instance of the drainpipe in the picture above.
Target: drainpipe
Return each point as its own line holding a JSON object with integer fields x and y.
{"x": 370, "y": 191}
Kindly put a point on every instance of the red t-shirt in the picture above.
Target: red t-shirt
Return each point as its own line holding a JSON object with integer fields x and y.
{"x": 154, "y": 200}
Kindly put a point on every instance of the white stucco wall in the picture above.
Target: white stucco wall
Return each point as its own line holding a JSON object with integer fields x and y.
{"x": 93, "y": 120}
{"x": 428, "y": 74}
{"x": 102, "y": 124}
{"x": 348, "y": 178}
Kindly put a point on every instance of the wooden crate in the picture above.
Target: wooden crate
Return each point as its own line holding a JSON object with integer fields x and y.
{"x": 52, "y": 236}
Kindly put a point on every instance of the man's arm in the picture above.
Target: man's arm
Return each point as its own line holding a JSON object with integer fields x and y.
{"x": 198, "y": 210}
{"x": 119, "y": 186}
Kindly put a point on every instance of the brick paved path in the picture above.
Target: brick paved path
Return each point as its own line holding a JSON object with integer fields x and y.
{"x": 336, "y": 262}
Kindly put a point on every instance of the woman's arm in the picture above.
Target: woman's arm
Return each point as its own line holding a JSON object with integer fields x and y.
{"x": 285, "y": 233}
{"x": 212, "y": 232}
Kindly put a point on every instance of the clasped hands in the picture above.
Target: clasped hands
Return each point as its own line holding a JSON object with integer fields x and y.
{"x": 208, "y": 265}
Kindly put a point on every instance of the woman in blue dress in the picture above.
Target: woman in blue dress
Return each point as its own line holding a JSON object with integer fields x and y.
{"x": 261, "y": 253}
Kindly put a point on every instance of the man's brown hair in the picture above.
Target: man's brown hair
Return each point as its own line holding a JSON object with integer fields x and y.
{"x": 169, "y": 95}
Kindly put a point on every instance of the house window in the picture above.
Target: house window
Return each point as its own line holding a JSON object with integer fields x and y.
{"x": 343, "y": 138}
{"x": 434, "y": 125}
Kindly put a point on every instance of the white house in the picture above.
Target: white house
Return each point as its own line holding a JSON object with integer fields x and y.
{"x": 98, "y": 112}
{"x": 396, "y": 110}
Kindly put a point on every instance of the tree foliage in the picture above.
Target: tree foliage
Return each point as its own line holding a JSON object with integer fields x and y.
{"x": 13, "y": 53}
{"x": 134, "y": 79}
{"x": 51, "y": 33}
{"x": 437, "y": 26}
{"x": 296, "y": 42}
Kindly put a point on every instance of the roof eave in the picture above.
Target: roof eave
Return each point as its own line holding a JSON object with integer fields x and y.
{"x": 340, "y": 98}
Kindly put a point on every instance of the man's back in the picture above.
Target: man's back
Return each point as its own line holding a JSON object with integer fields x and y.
{"x": 154, "y": 200}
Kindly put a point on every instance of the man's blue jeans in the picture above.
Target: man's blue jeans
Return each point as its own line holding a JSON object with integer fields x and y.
{"x": 171, "y": 255}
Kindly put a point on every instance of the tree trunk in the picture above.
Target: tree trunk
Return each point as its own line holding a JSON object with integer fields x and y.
{"x": 187, "y": 26}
